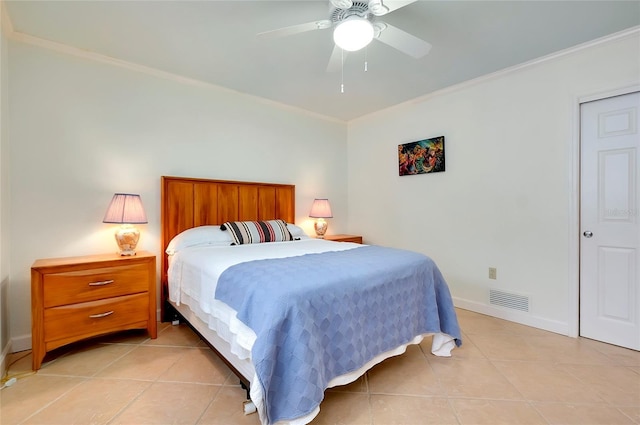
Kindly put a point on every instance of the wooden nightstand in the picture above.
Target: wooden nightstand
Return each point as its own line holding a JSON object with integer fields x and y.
{"x": 75, "y": 298}
{"x": 344, "y": 238}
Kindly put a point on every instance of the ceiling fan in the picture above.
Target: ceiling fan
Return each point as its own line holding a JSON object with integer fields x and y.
{"x": 355, "y": 24}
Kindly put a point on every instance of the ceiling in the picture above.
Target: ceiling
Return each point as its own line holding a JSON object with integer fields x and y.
{"x": 216, "y": 42}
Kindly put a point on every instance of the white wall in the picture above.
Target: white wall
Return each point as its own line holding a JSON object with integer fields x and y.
{"x": 82, "y": 130}
{"x": 505, "y": 198}
{"x": 4, "y": 189}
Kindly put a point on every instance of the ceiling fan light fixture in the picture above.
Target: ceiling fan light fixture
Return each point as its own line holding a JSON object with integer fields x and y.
{"x": 353, "y": 33}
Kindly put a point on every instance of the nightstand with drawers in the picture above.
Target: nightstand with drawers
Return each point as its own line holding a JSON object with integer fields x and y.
{"x": 344, "y": 238}
{"x": 75, "y": 298}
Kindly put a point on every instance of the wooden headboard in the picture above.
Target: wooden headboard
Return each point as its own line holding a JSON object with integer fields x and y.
{"x": 189, "y": 202}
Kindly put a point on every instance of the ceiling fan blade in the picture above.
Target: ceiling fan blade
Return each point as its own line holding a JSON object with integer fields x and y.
{"x": 335, "y": 61}
{"x": 397, "y": 4}
{"x": 295, "y": 29}
{"x": 342, "y": 4}
{"x": 403, "y": 41}
{"x": 382, "y": 7}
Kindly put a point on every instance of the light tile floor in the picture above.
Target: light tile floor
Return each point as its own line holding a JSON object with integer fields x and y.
{"x": 504, "y": 373}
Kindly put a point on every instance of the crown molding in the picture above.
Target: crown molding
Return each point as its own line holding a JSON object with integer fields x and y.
{"x": 154, "y": 72}
{"x": 534, "y": 62}
{"x": 7, "y": 28}
{"x": 628, "y": 33}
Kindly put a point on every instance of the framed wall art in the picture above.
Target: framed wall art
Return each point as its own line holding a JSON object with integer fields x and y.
{"x": 421, "y": 157}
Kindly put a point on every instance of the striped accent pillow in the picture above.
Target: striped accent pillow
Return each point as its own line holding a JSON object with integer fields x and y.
{"x": 246, "y": 232}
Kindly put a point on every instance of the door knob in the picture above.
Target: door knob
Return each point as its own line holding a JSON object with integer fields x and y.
{"x": 587, "y": 234}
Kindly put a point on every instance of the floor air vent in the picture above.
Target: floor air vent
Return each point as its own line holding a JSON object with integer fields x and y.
{"x": 508, "y": 300}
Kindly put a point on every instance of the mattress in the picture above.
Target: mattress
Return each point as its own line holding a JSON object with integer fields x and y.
{"x": 193, "y": 276}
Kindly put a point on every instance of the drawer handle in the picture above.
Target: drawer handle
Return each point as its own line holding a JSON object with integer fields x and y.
{"x": 97, "y": 316}
{"x": 101, "y": 283}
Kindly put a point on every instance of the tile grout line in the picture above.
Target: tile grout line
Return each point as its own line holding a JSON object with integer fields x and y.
{"x": 126, "y": 406}
{"x": 151, "y": 382}
{"x": 526, "y": 399}
{"x": 82, "y": 381}
{"x": 557, "y": 359}
{"x": 625, "y": 415}
{"x": 369, "y": 402}
{"x": 441, "y": 387}
{"x": 215, "y": 397}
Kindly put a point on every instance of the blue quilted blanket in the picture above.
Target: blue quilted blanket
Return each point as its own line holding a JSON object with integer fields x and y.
{"x": 318, "y": 316}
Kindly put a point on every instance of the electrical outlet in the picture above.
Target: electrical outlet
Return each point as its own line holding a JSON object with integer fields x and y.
{"x": 493, "y": 273}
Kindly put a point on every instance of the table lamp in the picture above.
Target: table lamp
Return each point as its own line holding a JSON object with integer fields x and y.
{"x": 320, "y": 210}
{"x": 126, "y": 209}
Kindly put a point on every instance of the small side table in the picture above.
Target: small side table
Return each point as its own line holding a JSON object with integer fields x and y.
{"x": 75, "y": 298}
{"x": 344, "y": 238}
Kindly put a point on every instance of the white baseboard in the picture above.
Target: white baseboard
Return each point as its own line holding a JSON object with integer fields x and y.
{"x": 3, "y": 359}
{"x": 20, "y": 343}
{"x": 514, "y": 316}
{"x": 23, "y": 343}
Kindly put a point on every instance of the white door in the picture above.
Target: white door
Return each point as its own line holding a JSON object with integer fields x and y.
{"x": 609, "y": 215}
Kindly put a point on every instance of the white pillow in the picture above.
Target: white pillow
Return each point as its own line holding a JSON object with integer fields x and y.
{"x": 201, "y": 235}
{"x": 296, "y": 231}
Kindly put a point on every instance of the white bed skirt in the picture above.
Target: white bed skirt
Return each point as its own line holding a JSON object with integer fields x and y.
{"x": 224, "y": 340}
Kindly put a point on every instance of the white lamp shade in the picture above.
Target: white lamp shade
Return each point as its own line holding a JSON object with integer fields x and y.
{"x": 353, "y": 33}
{"x": 320, "y": 209}
{"x": 125, "y": 208}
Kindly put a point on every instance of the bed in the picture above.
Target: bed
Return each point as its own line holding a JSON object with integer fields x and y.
{"x": 286, "y": 341}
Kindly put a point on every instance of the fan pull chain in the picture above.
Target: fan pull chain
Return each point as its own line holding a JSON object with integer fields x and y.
{"x": 342, "y": 70}
{"x": 366, "y": 63}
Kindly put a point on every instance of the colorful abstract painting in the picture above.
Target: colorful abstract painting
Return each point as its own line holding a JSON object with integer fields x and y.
{"x": 421, "y": 157}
